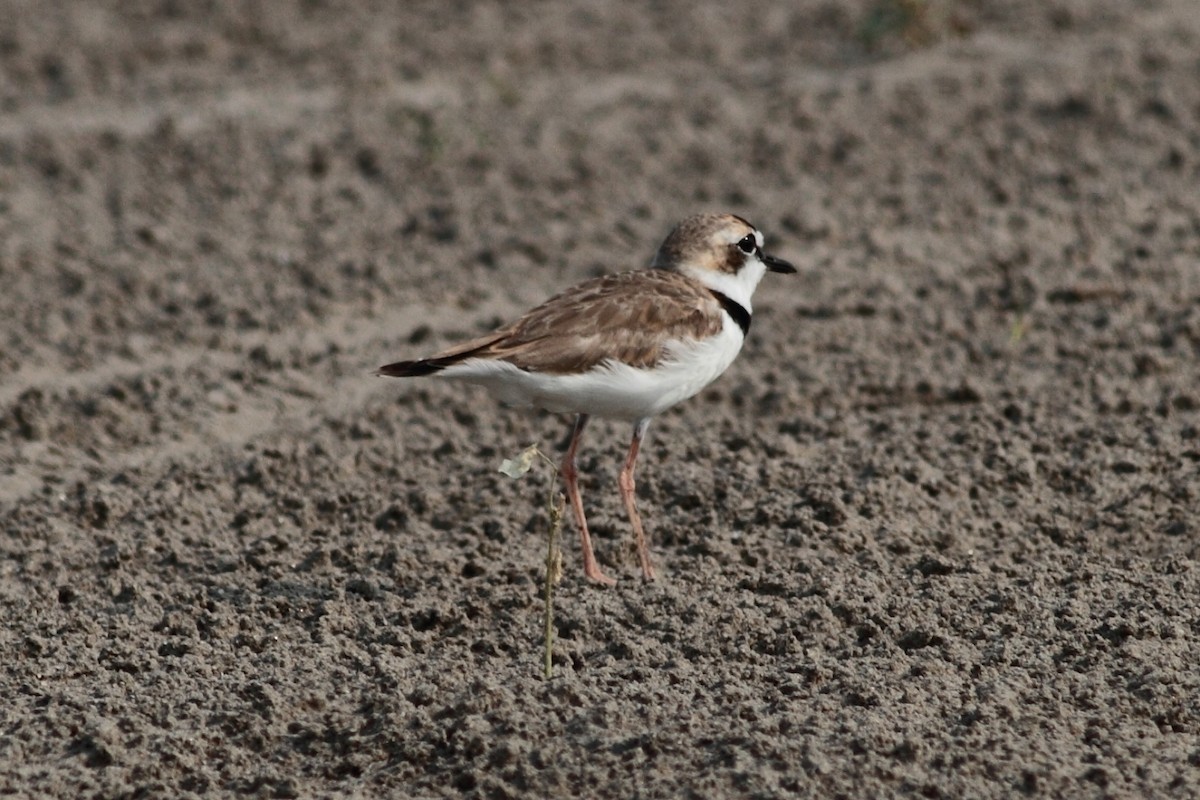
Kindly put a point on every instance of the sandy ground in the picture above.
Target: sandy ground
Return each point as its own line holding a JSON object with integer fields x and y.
{"x": 935, "y": 533}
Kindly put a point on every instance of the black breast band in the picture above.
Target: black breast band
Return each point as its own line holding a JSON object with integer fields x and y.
{"x": 736, "y": 310}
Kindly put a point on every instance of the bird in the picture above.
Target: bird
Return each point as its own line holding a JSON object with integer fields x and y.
{"x": 623, "y": 346}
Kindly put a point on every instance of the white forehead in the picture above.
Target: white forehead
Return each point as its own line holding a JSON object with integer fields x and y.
{"x": 734, "y": 233}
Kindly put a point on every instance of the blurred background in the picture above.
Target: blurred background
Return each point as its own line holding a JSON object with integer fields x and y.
{"x": 933, "y": 533}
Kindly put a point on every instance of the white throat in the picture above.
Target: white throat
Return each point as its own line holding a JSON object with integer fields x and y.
{"x": 737, "y": 287}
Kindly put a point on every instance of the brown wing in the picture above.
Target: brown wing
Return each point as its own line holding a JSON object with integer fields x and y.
{"x": 629, "y": 317}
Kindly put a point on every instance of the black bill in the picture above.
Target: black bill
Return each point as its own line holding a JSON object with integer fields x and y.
{"x": 777, "y": 264}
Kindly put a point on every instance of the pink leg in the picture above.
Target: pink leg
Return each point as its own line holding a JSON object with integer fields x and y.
{"x": 570, "y": 474}
{"x": 625, "y": 481}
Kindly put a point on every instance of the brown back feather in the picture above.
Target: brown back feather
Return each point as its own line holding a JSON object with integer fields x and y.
{"x": 629, "y": 317}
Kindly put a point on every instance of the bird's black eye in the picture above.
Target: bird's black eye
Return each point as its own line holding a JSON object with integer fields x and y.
{"x": 748, "y": 244}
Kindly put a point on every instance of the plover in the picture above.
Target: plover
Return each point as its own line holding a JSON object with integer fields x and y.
{"x": 626, "y": 346}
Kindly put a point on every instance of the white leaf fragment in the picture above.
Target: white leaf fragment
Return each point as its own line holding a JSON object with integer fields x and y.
{"x": 516, "y": 467}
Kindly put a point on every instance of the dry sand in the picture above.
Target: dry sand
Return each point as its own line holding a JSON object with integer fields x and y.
{"x": 935, "y": 533}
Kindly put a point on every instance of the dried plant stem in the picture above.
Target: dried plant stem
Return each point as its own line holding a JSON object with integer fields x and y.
{"x": 515, "y": 468}
{"x": 553, "y": 574}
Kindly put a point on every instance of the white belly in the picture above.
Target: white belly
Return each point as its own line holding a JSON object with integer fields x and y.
{"x": 612, "y": 389}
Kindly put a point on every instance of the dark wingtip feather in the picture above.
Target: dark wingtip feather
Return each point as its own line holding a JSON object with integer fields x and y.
{"x": 412, "y": 369}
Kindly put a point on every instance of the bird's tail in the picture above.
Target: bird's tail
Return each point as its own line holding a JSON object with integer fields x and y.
{"x": 437, "y": 363}
{"x": 415, "y": 369}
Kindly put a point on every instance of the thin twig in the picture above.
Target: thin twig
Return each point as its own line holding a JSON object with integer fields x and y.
{"x": 515, "y": 468}
{"x": 553, "y": 574}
